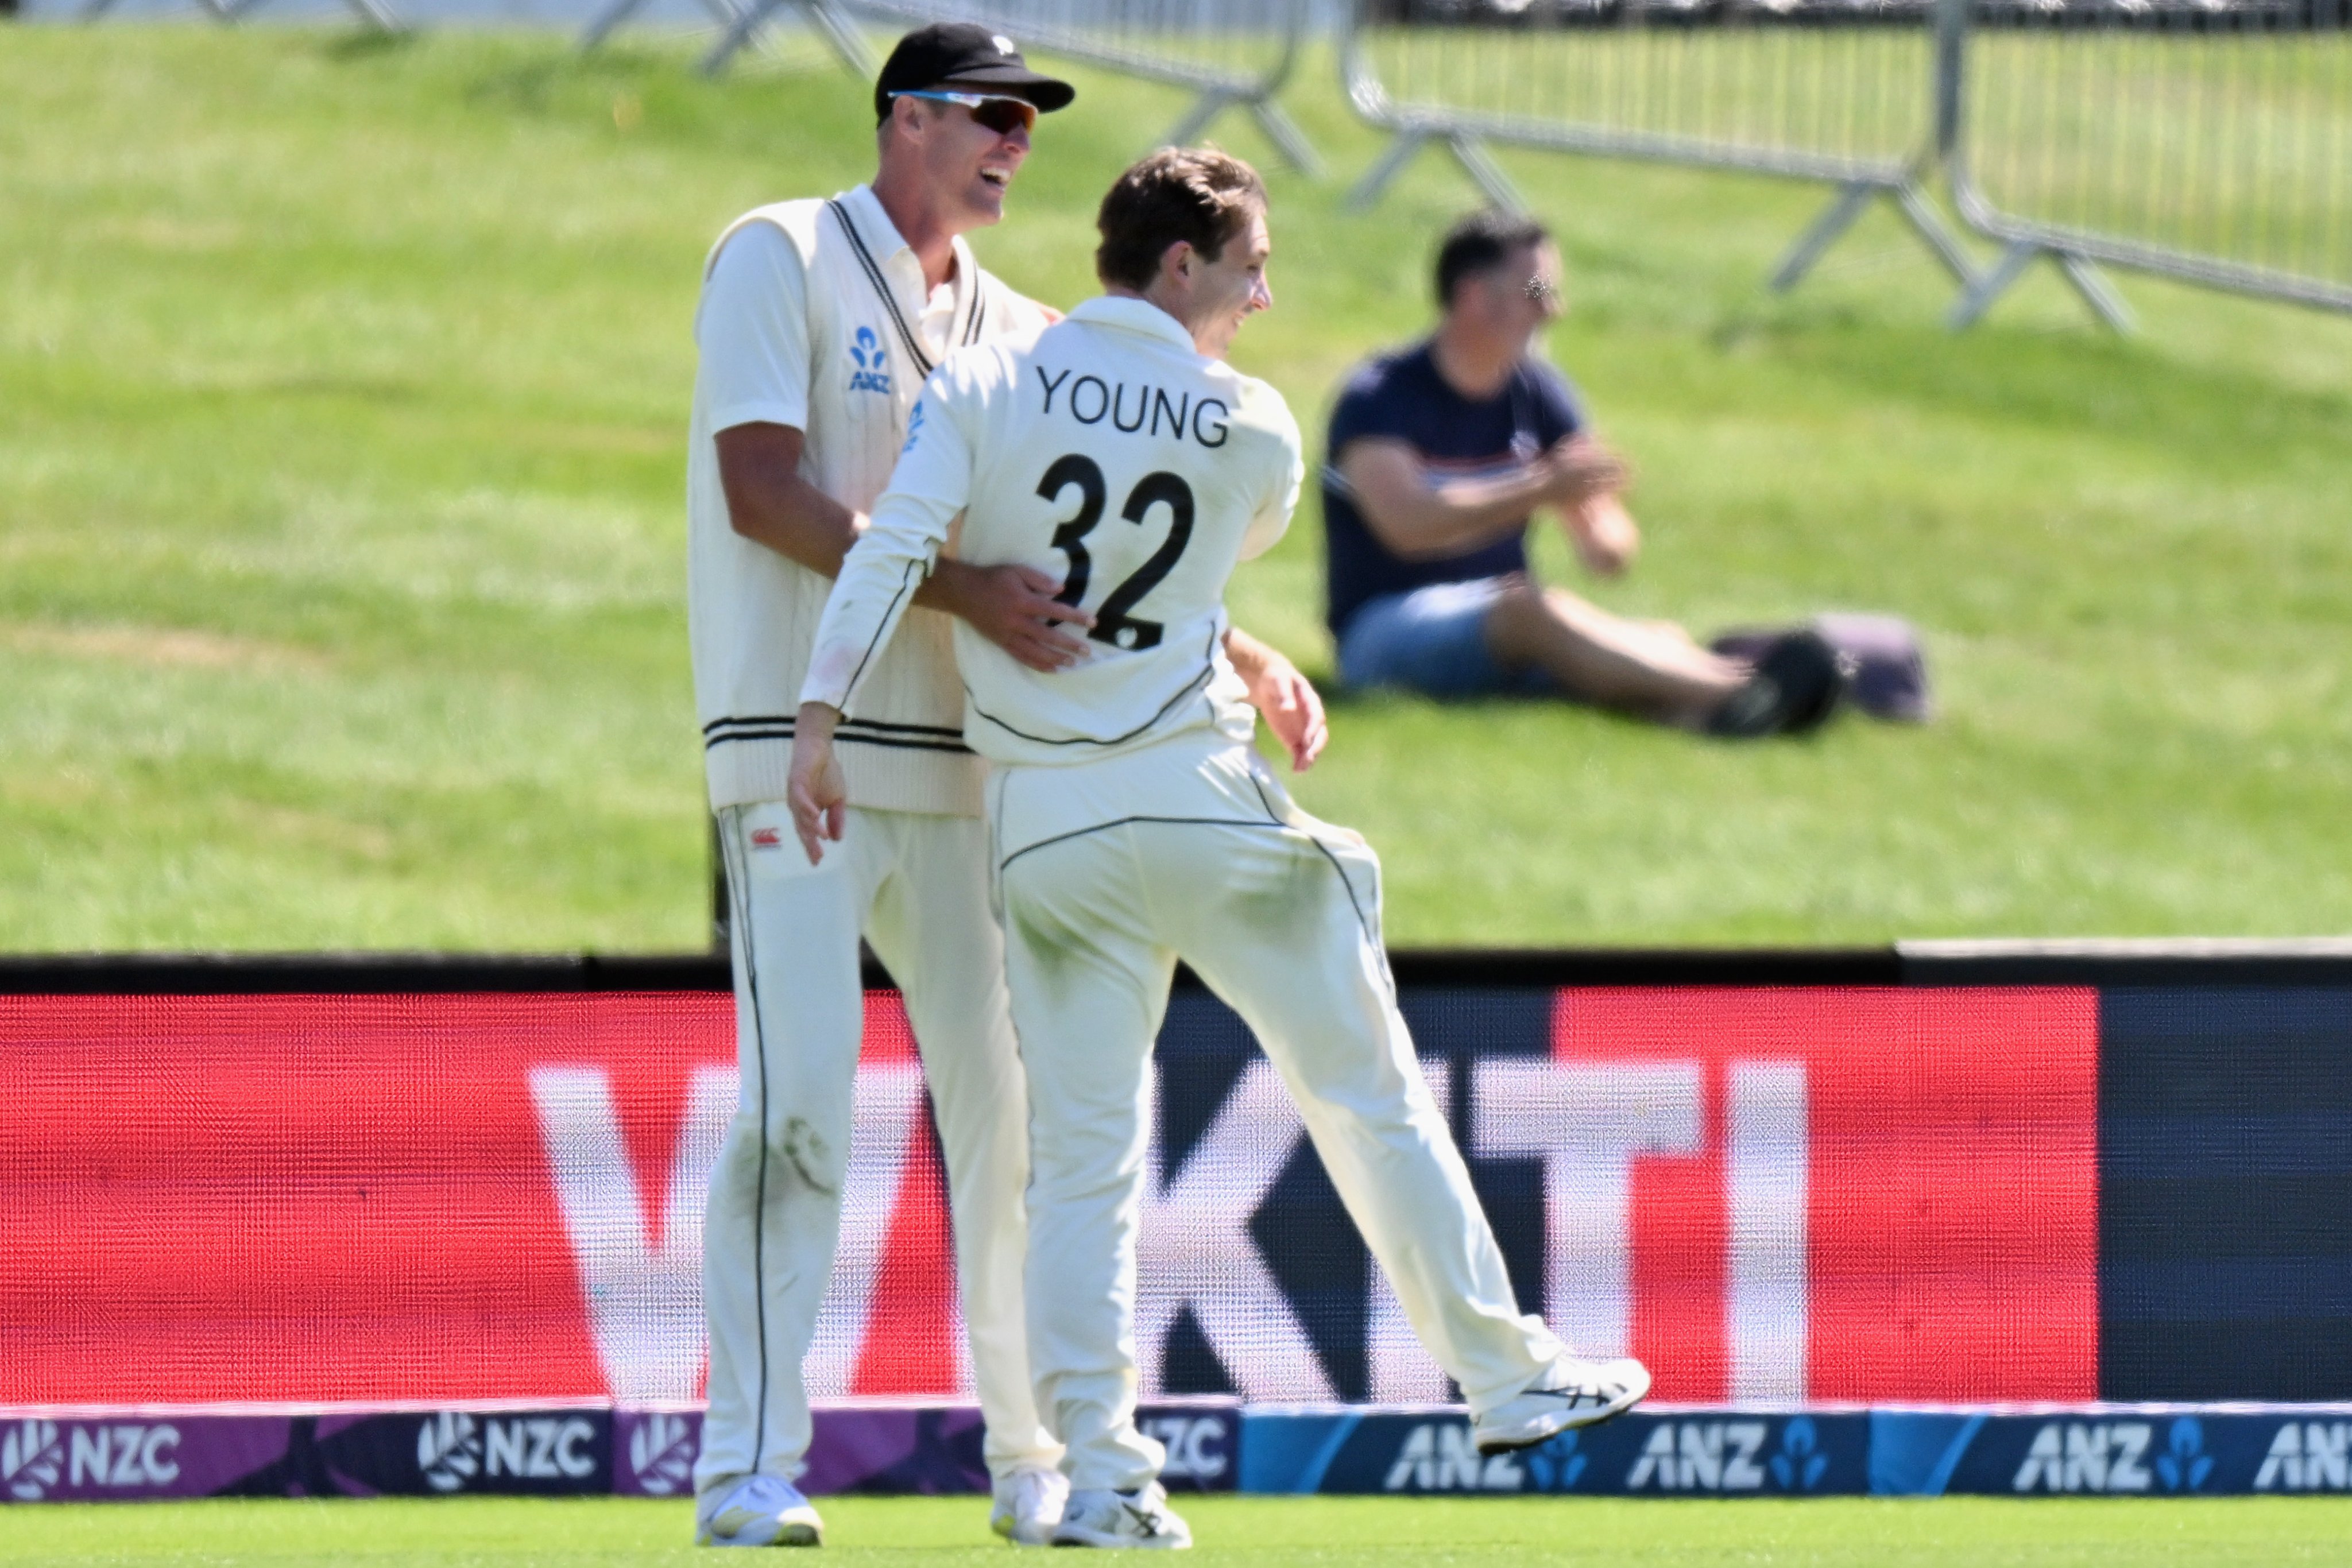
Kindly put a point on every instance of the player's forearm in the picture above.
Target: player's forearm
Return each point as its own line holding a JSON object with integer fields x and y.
{"x": 1249, "y": 657}
{"x": 1286, "y": 699}
{"x": 800, "y": 523}
{"x": 771, "y": 503}
{"x": 805, "y": 525}
{"x": 877, "y": 581}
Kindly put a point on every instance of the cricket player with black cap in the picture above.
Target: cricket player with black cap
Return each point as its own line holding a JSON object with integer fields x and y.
{"x": 819, "y": 321}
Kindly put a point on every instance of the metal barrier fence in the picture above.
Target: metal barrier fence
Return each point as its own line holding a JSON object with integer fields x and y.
{"x": 745, "y": 23}
{"x": 1826, "y": 91}
{"x": 2205, "y": 139}
{"x": 379, "y": 15}
{"x": 2209, "y": 141}
{"x": 1231, "y": 54}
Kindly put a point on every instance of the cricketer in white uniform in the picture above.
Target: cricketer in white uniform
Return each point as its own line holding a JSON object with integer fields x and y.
{"x": 1133, "y": 823}
{"x": 817, "y": 324}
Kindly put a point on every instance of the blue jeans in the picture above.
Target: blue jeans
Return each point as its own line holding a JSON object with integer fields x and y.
{"x": 1432, "y": 641}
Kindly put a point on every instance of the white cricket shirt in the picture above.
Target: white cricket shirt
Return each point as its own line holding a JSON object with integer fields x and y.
{"x": 814, "y": 315}
{"x": 1106, "y": 451}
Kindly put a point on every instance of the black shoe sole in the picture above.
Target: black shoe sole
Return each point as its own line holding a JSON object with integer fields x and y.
{"x": 1798, "y": 686}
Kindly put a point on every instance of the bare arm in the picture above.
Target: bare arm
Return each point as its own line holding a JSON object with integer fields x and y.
{"x": 1288, "y": 700}
{"x": 771, "y": 504}
{"x": 1603, "y": 533}
{"x": 1418, "y": 519}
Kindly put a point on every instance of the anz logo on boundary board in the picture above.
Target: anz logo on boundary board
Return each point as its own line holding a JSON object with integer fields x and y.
{"x": 1708, "y": 1455}
{"x": 873, "y": 362}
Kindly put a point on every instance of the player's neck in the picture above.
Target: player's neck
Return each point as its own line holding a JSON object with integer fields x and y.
{"x": 1168, "y": 305}
{"x": 1474, "y": 363}
{"x": 922, "y": 221}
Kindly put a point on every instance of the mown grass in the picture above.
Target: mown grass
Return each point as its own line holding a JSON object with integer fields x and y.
{"x": 343, "y": 389}
{"x": 1864, "y": 1532}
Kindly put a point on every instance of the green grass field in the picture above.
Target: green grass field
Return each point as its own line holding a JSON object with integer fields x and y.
{"x": 343, "y": 384}
{"x": 496, "y": 1533}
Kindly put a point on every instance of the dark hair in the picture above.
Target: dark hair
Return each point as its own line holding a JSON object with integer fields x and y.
{"x": 1194, "y": 193}
{"x": 1481, "y": 240}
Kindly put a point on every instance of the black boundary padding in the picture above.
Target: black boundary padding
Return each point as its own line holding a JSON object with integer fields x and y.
{"x": 391, "y": 973}
{"x": 2232, "y": 970}
{"x": 1502, "y": 969}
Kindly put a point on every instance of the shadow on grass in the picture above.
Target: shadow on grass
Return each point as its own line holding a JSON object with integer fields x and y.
{"x": 368, "y": 44}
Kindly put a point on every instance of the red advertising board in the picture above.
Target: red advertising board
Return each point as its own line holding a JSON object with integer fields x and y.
{"x": 392, "y": 1197}
{"x": 1796, "y": 1194}
{"x": 1862, "y": 1195}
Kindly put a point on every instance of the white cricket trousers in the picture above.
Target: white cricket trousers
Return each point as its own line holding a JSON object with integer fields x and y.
{"x": 918, "y": 885}
{"x": 1111, "y": 870}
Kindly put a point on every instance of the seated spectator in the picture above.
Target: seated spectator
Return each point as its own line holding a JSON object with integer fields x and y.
{"x": 1439, "y": 457}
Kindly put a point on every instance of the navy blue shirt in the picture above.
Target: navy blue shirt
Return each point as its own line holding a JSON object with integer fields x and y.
{"x": 1400, "y": 396}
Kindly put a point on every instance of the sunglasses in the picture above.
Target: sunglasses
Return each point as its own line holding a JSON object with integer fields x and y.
{"x": 996, "y": 113}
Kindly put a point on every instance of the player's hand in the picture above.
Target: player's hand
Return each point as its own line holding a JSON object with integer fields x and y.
{"x": 1581, "y": 469}
{"x": 1014, "y": 608}
{"x": 816, "y": 789}
{"x": 1292, "y": 710}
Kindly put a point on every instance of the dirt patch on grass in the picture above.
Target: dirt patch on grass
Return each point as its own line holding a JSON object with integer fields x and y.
{"x": 163, "y": 648}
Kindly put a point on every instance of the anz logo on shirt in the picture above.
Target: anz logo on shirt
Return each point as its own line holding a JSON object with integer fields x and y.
{"x": 873, "y": 361}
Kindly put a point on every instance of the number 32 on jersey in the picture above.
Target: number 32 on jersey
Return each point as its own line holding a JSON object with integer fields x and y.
{"x": 1115, "y": 622}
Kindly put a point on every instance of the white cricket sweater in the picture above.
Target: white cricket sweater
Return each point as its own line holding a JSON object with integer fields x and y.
{"x": 814, "y": 315}
{"x": 1105, "y": 450}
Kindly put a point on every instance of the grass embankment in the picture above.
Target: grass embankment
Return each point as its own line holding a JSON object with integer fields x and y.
{"x": 342, "y": 387}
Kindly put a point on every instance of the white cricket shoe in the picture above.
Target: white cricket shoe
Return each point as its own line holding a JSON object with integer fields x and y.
{"x": 1138, "y": 1518}
{"x": 1029, "y": 1504}
{"x": 1582, "y": 1394}
{"x": 758, "y": 1511}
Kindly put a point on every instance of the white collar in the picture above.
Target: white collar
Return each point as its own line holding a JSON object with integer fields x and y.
{"x": 1139, "y": 316}
{"x": 882, "y": 236}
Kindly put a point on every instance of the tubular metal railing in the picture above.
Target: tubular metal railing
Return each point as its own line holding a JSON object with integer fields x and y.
{"x": 1841, "y": 94}
{"x": 2209, "y": 141}
{"x": 1230, "y": 54}
{"x": 379, "y": 15}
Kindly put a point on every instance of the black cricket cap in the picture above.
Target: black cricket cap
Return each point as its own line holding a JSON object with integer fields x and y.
{"x": 958, "y": 56}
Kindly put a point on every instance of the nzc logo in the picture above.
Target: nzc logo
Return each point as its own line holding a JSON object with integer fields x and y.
{"x": 873, "y": 361}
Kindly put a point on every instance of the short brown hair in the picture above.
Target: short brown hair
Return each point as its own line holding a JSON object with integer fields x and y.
{"x": 1481, "y": 241}
{"x": 1194, "y": 193}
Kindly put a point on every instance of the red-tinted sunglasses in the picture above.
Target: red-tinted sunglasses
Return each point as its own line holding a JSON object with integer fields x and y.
{"x": 993, "y": 110}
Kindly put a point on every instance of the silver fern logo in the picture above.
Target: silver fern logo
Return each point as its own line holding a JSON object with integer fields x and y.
{"x": 30, "y": 1459}
{"x": 450, "y": 1451}
{"x": 661, "y": 1455}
